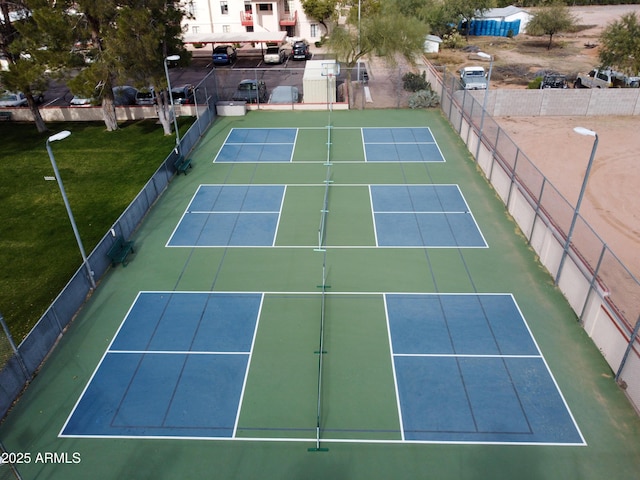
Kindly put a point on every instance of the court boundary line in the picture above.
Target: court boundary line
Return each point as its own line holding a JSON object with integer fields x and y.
{"x": 264, "y": 294}
{"x": 323, "y": 185}
{"x": 525, "y": 323}
{"x": 434, "y": 142}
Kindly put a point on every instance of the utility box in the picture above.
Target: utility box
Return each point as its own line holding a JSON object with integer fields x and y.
{"x": 319, "y": 81}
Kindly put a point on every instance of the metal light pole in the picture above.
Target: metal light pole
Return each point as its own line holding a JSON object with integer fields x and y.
{"x": 484, "y": 102}
{"x": 576, "y": 212}
{"x": 172, "y": 58}
{"x": 54, "y": 138}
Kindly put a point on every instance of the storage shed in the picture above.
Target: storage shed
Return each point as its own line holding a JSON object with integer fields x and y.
{"x": 319, "y": 81}
{"x": 432, "y": 44}
{"x": 500, "y": 22}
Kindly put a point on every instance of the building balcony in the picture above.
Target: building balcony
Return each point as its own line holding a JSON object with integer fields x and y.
{"x": 289, "y": 20}
{"x": 246, "y": 19}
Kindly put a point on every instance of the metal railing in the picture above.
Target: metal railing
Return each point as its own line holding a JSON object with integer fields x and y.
{"x": 601, "y": 290}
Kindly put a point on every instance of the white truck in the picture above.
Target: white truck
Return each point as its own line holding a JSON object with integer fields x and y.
{"x": 605, "y": 78}
{"x": 473, "y": 78}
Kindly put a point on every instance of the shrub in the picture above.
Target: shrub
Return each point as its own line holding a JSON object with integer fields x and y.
{"x": 414, "y": 82}
{"x": 453, "y": 40}
{"x": 424, "y": 99}
{"x": 535, "y": 83}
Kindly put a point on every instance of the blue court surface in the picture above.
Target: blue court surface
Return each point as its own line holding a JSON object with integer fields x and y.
{"x": 414, "y": 216}
{"x": 466, "y": 369}
{"x": 188, "y": 352}
{"x": 258, "y": 145}
{"x": 400, "y": 144}
{"x": 423, "y": 216}
{"x": 230, "y": 215}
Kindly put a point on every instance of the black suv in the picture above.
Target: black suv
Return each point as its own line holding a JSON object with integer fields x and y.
{"x": 300, "y": 51}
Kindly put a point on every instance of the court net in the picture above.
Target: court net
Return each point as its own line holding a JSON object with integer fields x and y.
{"x": 323, "y": 286}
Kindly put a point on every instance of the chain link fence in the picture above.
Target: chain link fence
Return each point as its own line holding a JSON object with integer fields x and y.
{"x": 602, "y": 291}
{"x": 19, "y": 364}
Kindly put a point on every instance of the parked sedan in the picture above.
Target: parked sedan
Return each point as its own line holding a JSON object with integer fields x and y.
{"x": 284, "y": 94}
{"x": 10, "y": 99}
{"x": 251, "y": 91}
{"x": 224, "y": 55}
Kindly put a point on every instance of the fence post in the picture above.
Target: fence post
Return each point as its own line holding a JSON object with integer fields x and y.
{"x": 632, "y": 339}
{"x": 594, "y": 277}
{"x": 13, "y": 347}
{"x": 12, "y": 465}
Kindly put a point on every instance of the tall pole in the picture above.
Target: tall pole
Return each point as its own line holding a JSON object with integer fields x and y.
{"x": 484, "y": 102}
{"x": 576, "y": 212}
{"x": 53, "y": 138}
{"x": 172, "y": 58}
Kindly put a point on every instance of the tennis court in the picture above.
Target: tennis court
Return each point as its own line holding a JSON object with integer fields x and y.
{"x": 336, "y": 295}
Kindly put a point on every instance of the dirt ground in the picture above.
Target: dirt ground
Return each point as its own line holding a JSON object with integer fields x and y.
{"x": 611, "y": 204}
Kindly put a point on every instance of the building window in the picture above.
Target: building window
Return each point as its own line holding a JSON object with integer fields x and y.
{"x": 192, "y": 9}
{"x": 314, "y": 30}
{"x": 195, "y": 29}
{"x": 249, "y": 28}
{"x": 224, "y": 8}
{"x": 226, "y": 28}
{"x": 265, "y": 7}
{"x": 247, "y": 6}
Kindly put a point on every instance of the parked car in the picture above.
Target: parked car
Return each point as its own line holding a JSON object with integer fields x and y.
{"x": 224, "y": 55}
{"x": 10, "y": 99}
{"x": 300, "y": 51}
{"x": 285, "y": 94}
{"x": 183, "y": 95}
{"x": 473, "y": 78}
{"x": 146, "y": 96}
{"x": 80, "y": 101}
{"x": 251, "y": 91}
{"x": 274, "y": 55}
{"x": 122, "y": 95}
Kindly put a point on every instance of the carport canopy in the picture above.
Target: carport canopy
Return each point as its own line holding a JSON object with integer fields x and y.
{"x": 236, "y": 37}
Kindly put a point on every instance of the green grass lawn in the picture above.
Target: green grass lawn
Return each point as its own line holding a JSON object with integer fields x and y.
{"x": 101, "y": 171}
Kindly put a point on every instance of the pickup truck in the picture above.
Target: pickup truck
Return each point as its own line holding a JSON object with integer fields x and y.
{"x": 473, "y": 78}
{"x": 605, "y": 78}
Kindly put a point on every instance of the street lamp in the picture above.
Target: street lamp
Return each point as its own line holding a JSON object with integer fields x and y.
{"x": 576, "y": 212}
{"x": 172, "y": 58}
{"x": 484, "y": 102}
{"x": 54, "y": 138}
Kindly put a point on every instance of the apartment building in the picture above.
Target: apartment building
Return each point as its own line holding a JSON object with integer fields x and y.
{"x": 247, "y": 16}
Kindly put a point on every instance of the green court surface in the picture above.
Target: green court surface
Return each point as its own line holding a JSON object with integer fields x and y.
{"x": 330, "y": 377}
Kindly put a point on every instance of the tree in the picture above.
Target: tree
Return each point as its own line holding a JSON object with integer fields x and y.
{"x": 379, "y": 29}
{"x": 130, "y": 39}
{"x": 154, "y": 31}
{"x": 550, "y": 20}
{"x": 620, "y": 45}
{"x": 321, "y": 10}
{"x": 38, "y": 51}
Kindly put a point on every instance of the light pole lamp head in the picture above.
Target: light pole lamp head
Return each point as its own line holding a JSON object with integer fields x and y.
{"x": 585, "y": 131}
{"x": 59, "y": 136}
{"x": 173, "y": 58}
{"x": 485, "y": 55}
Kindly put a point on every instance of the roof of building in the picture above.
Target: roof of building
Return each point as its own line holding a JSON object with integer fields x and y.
{"x": 235, "y": 37}
{"x": 503, "y": 12}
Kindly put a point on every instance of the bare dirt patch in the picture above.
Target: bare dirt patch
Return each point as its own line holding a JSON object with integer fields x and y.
{"x": 527, "y": 56}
